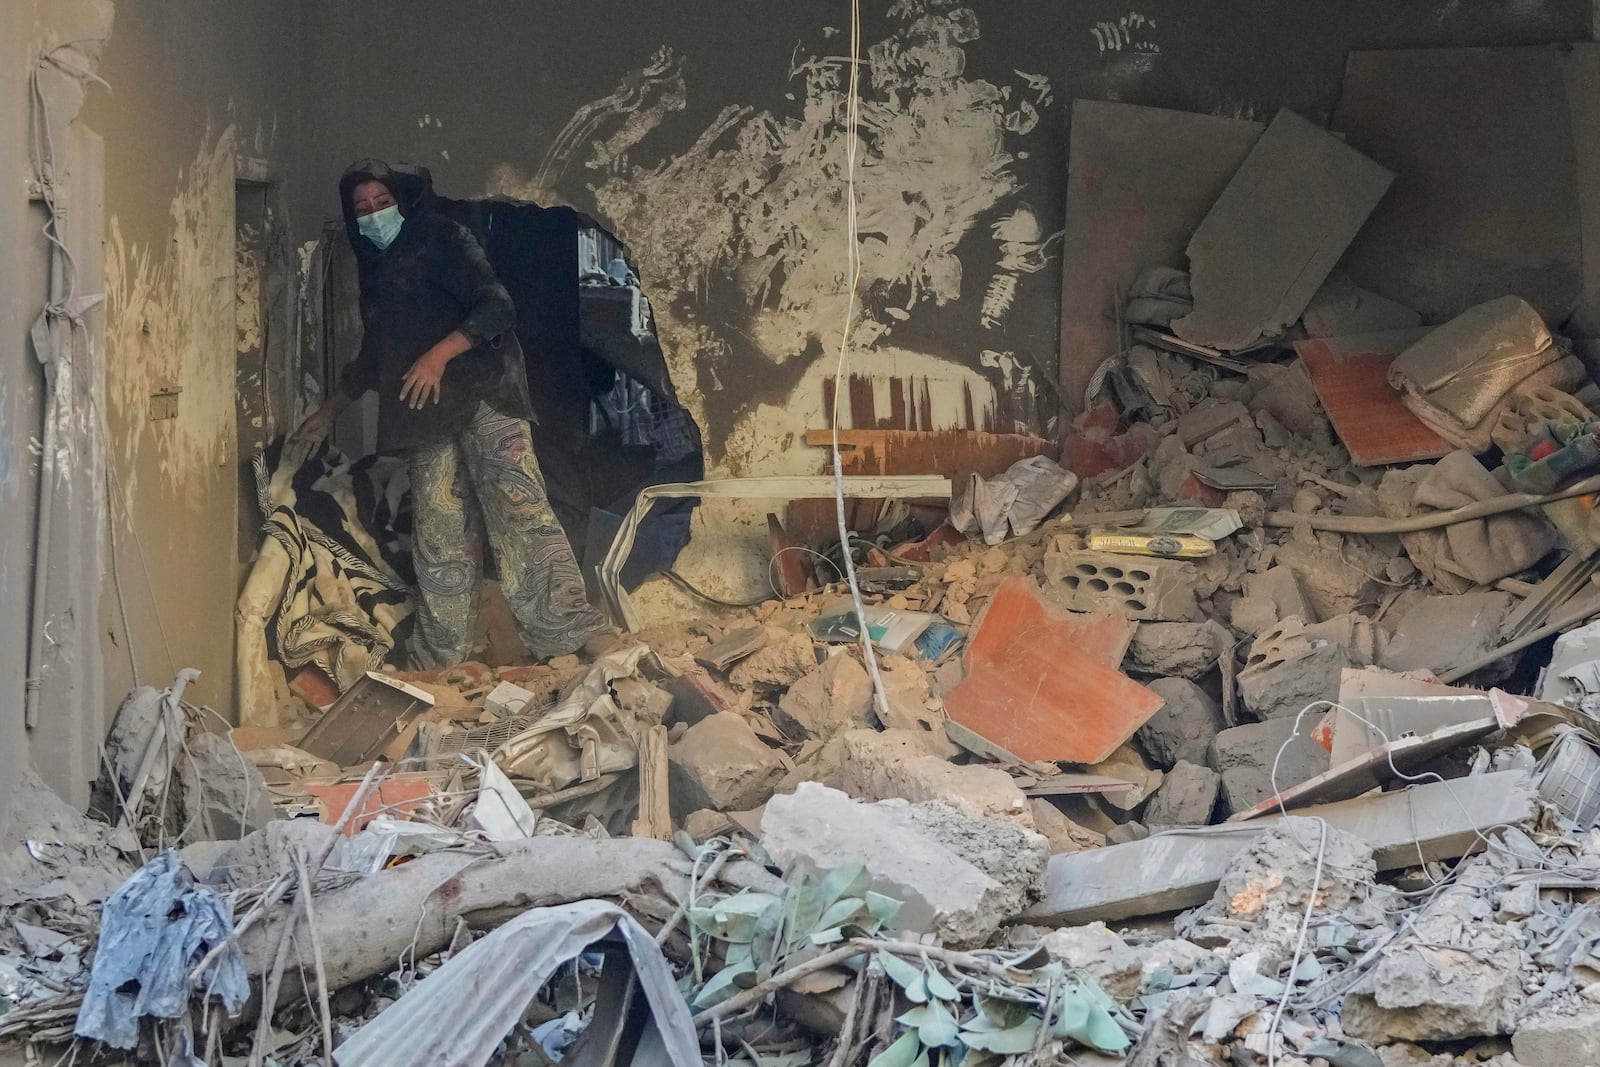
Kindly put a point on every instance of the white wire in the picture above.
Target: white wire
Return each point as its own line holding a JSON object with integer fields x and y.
{"x": 853, "y": 270}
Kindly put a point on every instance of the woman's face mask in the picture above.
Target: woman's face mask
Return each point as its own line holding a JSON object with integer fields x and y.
{"x": 382, "y": 226}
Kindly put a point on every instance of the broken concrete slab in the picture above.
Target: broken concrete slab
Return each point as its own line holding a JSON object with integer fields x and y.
{"x": 1362, "y": 723}
{"x": 1276, "y": 232}
{"x": 1244, "y": 757}
{"x": 1176, "y": 649}
{"x": 720, "y": 763}
{"x": 1342, "y": 308}
{"x": 1038, "y": 688}
{"x": 957, "y": 877}
{"x": 835, "y": 697}
{"x": 1454, "y": 973}
{"x": 1443, "y": 632}
{"x": 1381, "y": 766}
{"x": 1148, "y": 589}
{"x": 1184, "y": 726}
{"x": 1562, "y": 1033}
{"x": 1187, "y": 796}
{"x": 1166, "y": 873}
{"x": 893, "y": 765}
{"x": 1280, "y": 587}
{"x": 1139, "y": 181}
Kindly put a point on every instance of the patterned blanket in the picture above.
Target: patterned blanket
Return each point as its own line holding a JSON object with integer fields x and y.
{"x": 345, "y": 601}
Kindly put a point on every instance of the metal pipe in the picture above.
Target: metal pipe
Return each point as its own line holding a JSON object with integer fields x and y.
{"x": 37, "y": 639}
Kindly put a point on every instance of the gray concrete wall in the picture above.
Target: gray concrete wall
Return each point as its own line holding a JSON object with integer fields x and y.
{"x": 199, "y": 99}
{"x": 710, "y": 139}
{"x": 146, "y": 172}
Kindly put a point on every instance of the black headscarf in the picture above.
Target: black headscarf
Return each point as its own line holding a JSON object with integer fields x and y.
{"x": 410, "y": 185}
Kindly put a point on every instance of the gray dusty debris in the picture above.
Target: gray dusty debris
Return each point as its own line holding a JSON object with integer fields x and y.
{"x": 1183, "y": 727}
{"x": 1121, "y": 968}
{"x": 1564, "y": 1033}
{"x": 1244, "y": 755}
{"x": 896, "y": 765}
{"x": 720, "y": 763}
{"x": 1260, "y": 902}
{"x": 1187, "y": 797}
{"x": 959, "y": 877}
{"x": 837, "y": 696}
{"x": 1456, "y": 973}
{"x": 1176, "y": 649}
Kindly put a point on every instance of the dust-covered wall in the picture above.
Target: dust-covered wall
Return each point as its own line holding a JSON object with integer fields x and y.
{"x": 200, "y": 95}
{"x": 711, "y": 138}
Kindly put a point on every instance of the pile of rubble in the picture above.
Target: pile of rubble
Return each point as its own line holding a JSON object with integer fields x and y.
{"x": 1235, "y": 736}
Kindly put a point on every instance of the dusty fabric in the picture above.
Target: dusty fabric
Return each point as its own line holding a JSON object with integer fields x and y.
{"x": 486, "y": 480}
{"x": 1460, "y": 376}
{"x": 153, "y": 931}
{"x": 346, "y": 599}
{"x": 1455, "y": 558}
{"x": 434, "y": 279}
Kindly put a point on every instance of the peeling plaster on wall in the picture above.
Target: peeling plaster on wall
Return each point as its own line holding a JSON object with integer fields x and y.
{"x": 170, "y": 323}
{"x": 770, "y": 438}
{"x": 752, "y": 214}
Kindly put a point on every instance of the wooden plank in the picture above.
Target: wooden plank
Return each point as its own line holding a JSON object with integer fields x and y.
{"x": 655, "y": 802}
{"x": 1351, "y": 376}
{"x": 1169, "y": 872}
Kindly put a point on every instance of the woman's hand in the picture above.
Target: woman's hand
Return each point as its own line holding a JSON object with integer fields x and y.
{"x": 422, "y": 382}
{"x": 316, "y": 426}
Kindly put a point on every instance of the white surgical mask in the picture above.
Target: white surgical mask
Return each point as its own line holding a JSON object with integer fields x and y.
{"x": 382, "y": 226}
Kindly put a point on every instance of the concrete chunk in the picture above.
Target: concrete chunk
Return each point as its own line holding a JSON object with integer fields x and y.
{"x": 1244, "y": 756}
{"x": 1187, "y": 796}
{"x": 836, "y": 696}
{"x": 896, "y": 764}
{"x": 958, "y": 877}
{"x": 721, "y": 764}
{"x": 1176, "y": 649}
{"x": 1561, "y": 1034}
{"x": 1456, "y": 973}
{"x": 1184, "y": 726}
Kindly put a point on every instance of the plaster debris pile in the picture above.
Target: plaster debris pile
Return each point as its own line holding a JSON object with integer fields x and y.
{"x": 1258, "y": 723}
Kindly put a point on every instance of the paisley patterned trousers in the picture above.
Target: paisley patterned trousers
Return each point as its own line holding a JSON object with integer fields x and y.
{"x": 486, "y": 479}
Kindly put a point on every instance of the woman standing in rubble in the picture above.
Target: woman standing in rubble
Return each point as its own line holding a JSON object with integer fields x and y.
{"x": 453, "y": 399}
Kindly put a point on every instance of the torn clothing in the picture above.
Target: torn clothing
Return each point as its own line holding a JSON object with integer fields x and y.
{"x": 485, "y": 479}
{"x": 432, "y": 280}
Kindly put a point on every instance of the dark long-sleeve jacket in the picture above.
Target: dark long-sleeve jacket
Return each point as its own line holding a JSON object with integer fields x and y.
{"x": 432, "y": 280}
